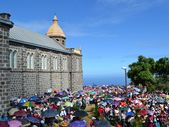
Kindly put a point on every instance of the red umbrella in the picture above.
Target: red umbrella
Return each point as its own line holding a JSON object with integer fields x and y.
{"x": 4, "y": 124}
{"x": 20, "y": 113}
{"x": 143, "y": 112}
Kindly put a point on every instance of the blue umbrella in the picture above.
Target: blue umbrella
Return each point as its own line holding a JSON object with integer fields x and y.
{"x": 79, "y": 123}
{"x": 5, "y": 118}
{"x": 81, "y": 92}
{"x": 49, "y": 113}
{"x": 33, "y": 120}
{"x": 109, "y": 100}
{"x": 102, "y": 123}
{"x": 130, "y": 114}
{"x": 34, "y": 98}
{"x": 23, "y": 100}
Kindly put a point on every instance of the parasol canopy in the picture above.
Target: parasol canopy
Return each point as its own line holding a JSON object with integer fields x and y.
{"x": 14, "y": 123}
{"x": 101, "y": 123}
{"x": 20, "y": 113}
{"x": 78, "y": 123}
{"x": 49, "y": 113}
{"x": 80, "y": 113}
{"x": 12, "y": 111}
{"x": 33, "y": 120}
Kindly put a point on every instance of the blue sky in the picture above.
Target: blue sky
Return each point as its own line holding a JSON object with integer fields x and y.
{"x": 111, "y": 33}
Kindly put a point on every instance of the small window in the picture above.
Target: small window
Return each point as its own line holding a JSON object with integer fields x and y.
{"x": 32, "y": 61}
{"x": 13, "y": 59}
{"x": 77, "y": 64}
{"x": 65, "y": 64}
{"x": 44, "y": 62}
{"x": 55, "y": 63}
{"x": 10, "y": 58}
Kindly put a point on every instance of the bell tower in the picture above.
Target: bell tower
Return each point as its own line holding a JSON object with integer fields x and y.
{"x": 5, "y": 25}
{"x": 56, "y": 33}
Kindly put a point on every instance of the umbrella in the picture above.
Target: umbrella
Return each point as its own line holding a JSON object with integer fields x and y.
{"x": 93, "y": 92}
{"x": 20, "y": 113}
{"x": 160, "y": 100}
{"x": 143, "y": 112}
{"x": 33, "y": 120}
{"x": 12, "y": 111}
{"x": 129, "y": 114}
{"x": 124, "y": 108}
{"x": 29, "y": 104}
{"x": 115, "y": 103}
{"x": 25, "y": 122}
{"x": 137, "y": 102}
{"x": 79, "y": 123}
{"x": 14, "y": 123}
{"x": 54, "y": 99}
{"x": 150, "y": 112}
{"x": 34, "y": 98}
{"x": 4, "y": 124}
{"x": 49, "y": 113}
{"x": 23, "y": 100}
{"x": 117, "y": 99}
{"x": 135, "y": 93}
{"x": 103, "y": 103}
{"x": 65, "y": 98}
{"x": 109, "y": 100}
{"x": 81, "y": 92}
{"x": 4, "y": 118}
{"x": 80, "y": 113}
{"x": 101, "y": 123}
{"x": 136, "y": 89}
{"x": 68, "y": 104}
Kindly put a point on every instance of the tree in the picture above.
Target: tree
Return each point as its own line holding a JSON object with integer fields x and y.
{"x": 162, "y": 69}
{"x": 141, "y": 72}
{"x": 148, "y": 72}
{"x": 162, "y": 73}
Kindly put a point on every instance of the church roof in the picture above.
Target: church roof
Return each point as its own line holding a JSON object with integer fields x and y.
{"x": 22, "y": 35}
{"x": 55, "y": 30}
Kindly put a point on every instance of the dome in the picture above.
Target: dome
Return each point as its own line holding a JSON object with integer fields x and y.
{"x": 55, "y": 30}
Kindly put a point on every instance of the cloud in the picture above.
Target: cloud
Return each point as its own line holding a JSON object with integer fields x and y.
{"x": 119, "y": 10}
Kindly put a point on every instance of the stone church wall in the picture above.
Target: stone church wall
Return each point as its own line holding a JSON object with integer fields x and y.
{"x": 16, "y": 88}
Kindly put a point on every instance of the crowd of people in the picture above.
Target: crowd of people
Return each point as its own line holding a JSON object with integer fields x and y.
{"x": 100, "y": 106}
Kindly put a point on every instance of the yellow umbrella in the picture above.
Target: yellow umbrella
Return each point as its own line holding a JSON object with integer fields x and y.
{"x": 68, "y": 104}
{"x": 29, "y": 104}
{"x": 12, "y": 111}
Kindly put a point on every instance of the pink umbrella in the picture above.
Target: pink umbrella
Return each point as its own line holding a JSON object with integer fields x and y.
{"x": 14, "y": 123}
{"x": 117, "y": 99}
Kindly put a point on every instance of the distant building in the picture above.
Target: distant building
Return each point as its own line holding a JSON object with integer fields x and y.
{"x": 32, "y": 63}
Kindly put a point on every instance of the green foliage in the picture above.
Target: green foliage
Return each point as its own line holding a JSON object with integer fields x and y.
{"x": 141, "y": 72}
{"x": 147, "y": 71}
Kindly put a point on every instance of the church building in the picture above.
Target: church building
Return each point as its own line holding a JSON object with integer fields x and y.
{"x": 31, "y": 63}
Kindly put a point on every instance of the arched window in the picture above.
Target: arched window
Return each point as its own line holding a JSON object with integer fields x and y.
{"x": 55, "y": 62}
{"x": 45, "y": 62}
{"x": 42, "y": 61}
{"x": 65, "y": 64}
{"x": 28, "y": 60}
{"x": 77, "y": 64}
{"x": 13, "y": 59}
{"x": 32, "y": 61}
